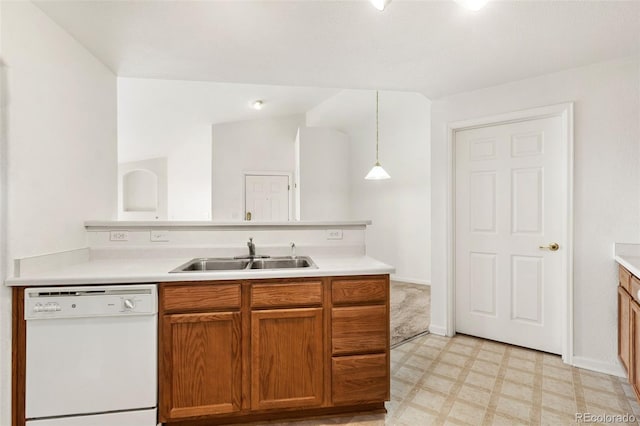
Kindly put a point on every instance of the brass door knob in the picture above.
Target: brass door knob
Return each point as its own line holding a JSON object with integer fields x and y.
{"x": 248, "y": 216}
{"x": 552, "y": 247}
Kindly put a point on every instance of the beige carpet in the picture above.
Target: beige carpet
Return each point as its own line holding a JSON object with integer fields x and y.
{"x": 410, "y": 311}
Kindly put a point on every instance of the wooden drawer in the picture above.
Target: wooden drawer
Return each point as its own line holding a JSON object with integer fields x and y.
{"x": 359, "y": 379}
{"x": 365, "y": 290}
{"x": 198, "y": 297}
{"x": 359, "y": 329}
{"x": 305, "y": 293}
{"x": 624, "y": 278}
{"x": 634, "y": 288}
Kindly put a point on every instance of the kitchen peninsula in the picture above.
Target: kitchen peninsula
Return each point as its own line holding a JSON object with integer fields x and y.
{"x": 240, "y": 345}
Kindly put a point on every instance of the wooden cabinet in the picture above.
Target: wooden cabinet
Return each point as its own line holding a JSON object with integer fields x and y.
{"x": 359, "y": 329}
{"x": 287, "y": 344}
{"x": 624, "y": 279}
{"x": 624, "y": 327}
{"x": 198, "y": 297}
{"x": 200, "y": 357}
{"x": 359, "y": 340}
{"x": 629, "y": 326}
{"x": 257, "y": 350}
{"x": 634, "y": 358}
{"x": 202, "y": 364}
{"x": 241, "y": 351}
{"x": 295, "y": 293}
{"x": 287, "y": 358}
{"x": 360, "y": 378}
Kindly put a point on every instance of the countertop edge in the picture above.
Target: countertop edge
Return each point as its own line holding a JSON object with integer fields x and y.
{"x": 114, "y": 224}
{"x": 635, "y": 270}
{"x": 195, "y": 277}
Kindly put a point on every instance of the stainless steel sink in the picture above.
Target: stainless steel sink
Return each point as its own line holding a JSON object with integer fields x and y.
{"x": 231, "y": 264}
{"x": 282, "y": 263}
{"x": 213, "y": 264}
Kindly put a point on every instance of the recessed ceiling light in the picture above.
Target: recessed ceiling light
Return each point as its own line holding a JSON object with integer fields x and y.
{"x": 257, "y": 104}
{"x": 472, "y": 4}
{"x": 380, "y": 4}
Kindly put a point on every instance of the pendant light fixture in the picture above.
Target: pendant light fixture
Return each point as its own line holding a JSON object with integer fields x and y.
{"x": 377, "y": 172}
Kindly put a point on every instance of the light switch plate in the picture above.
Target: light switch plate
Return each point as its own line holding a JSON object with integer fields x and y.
{"x": 119, "y": 235}
{"x": 158, "y": 236}
{"x": 334, "y": 234}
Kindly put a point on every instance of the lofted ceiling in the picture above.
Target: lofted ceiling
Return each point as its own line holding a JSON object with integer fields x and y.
{"x": 433, "y": 47}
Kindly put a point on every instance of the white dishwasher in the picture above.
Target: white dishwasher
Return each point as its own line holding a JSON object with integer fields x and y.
{"x": 91, "y": 355}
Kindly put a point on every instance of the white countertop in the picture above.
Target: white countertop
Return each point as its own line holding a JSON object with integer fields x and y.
{"x": 169, "y": 224}
{"x": 152, "y": 270}
{"x": 632, "y": 263}
{"x": 628, "y": 255}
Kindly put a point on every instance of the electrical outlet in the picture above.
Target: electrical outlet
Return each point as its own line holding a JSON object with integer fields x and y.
{"x": 334, "y": 234}
{"x": 119, "y": 235}
{"x": 157, "y": 236}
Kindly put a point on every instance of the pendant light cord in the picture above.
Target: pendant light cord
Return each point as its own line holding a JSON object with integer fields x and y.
{"x": 377, "y": 131}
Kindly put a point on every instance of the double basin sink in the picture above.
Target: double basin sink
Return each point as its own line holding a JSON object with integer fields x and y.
{"x": 233, "y": 264}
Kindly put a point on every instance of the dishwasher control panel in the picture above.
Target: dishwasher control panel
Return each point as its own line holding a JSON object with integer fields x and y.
{"x": 86, "y": 301}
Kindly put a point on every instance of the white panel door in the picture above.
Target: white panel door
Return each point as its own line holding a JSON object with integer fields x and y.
{"x": 267, "y": 198}
{"x": 509, "y": 197}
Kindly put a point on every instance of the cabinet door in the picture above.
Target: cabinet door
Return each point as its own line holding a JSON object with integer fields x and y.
{"x": 624, "y": 323}
{"x": 634, "y": 357}
{"x": 202, "y": 366}
{"x": 287, "y": 362}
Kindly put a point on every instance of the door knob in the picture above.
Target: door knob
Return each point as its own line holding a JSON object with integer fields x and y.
{"x": 248, "y": 216}
{"x": 552, "y": 247}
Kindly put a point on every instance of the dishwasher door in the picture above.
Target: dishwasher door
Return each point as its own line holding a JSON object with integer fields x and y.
{"x": 90, "y": 350}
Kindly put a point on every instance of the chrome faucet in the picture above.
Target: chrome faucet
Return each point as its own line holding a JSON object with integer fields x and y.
{"x": 252, "y": 247}
{"x": 293, "y": 249}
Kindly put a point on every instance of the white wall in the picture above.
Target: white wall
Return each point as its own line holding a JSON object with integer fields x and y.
{"x": 399, "y": 207}
{"x": 173, "y": 119}
{"x": 607, "y": 186}
{"x": 252, "y": 145}
{"x": 159, "y": 118}
{"x": 324, "y": 182}
{"x": 5, "y": 292}
{"x": 61, "y": 136}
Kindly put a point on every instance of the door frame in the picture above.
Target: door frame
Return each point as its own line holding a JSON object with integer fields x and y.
{"x": 565, "y": 112}
{"x": 289, "y": 176}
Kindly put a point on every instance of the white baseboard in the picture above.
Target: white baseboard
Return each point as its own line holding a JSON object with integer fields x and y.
{"x": 438, "y": 330}
{"x": 395, "y": 277}
{"x": 614, "y": 369}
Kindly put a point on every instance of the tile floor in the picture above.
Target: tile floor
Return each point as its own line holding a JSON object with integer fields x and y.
{"x": 470, "y": 381}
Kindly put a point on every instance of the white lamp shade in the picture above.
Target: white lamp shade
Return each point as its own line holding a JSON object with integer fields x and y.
{"x": 377, "y": 173}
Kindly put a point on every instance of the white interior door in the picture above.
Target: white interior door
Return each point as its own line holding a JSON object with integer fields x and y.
{"x": 509, "y": 195}
{"x": 267, "y": 198}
